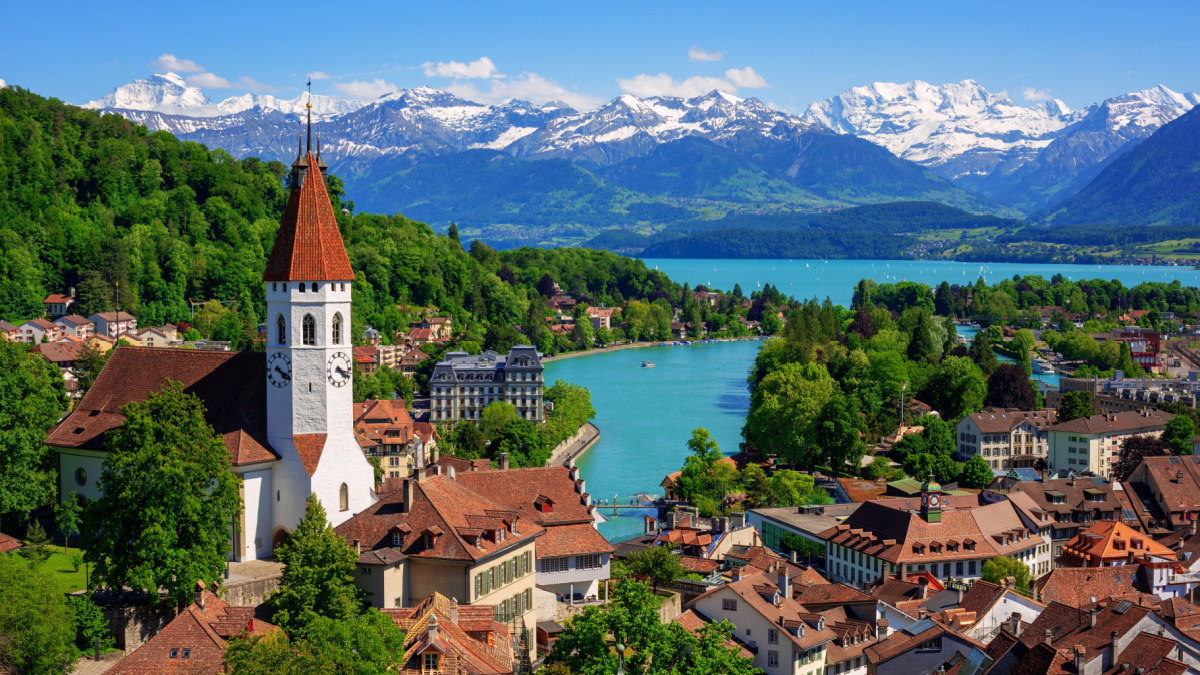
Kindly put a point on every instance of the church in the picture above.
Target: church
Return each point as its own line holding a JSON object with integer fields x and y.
{"x": 286, "y": 414}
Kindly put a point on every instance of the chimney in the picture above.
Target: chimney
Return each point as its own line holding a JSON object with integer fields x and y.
{"x": 1112, "y": 647}
{"x": 1092, "y": 617}
{"x": 785, "y": 585}
{"x": 451, "y": 469}
{"x": 960, "y": 595}
{"x": 504, "y": 461}
{"x": 434, "y": 453}
{"x": 1049, "y": 637}
{"x": 1179, "y": 476}
{"x": 794, "y": 554}
{"x": 1193, "y": 526}
{"x": 922, "y": 587}
{"x": 408, "y": 495}
{"x": 881, "y": 630}
{"x": 454, "y": 610}
{"x": 1010, "y": 582}
{"x": 200, "y": 594}
{"x": 922, "y": 613}
{"x": 736, "y": 573}
{"x": 357, "y": 547}
{"x": 432, "y": 623}
{"x": 1079, "y": 653}
{"x": 574, "y": 471}
{"x": 1014, "y": 623}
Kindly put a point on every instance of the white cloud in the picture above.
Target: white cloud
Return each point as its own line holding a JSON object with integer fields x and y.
{"x": 527, "y": 87}
{"x": 746, "y": 77}
{"x": 480, "y": 69}
{"x": 1032, "y": 94}
{"x": 210, "y": 81}
{"x": 318, "y": 75}
{"x": 169, "y": 63}
{"x": 644, "y": 86}
{"x": 365, "y": 90}
{"x": 697, "y": 54}
{"x": 254, "y": 85}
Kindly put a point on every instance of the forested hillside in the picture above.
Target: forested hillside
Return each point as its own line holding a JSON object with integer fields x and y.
{"x": 95, "y": 202}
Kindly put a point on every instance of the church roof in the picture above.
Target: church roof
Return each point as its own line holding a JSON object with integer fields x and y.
{"x": 231, "y": 385}
{"x": 308, "y": 245}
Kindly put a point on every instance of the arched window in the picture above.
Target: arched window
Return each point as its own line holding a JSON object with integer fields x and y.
{"x": 310, "y": 330}
{"x": 301, "y": 286}
{"x": 337, "y": 328}
{"x": 344, "y": 498}
{"x": 281, "y": 326}
{"x": 314, "y": 287}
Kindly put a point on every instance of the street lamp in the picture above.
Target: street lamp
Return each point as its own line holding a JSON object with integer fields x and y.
{"x": 621, "y": 651}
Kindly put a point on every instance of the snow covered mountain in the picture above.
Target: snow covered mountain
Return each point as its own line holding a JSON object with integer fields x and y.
{"x": 1022, "y": 156}
{"x": 169, "y": 94}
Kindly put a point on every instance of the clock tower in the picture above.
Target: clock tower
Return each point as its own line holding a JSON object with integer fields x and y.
{"x": 931, "y": 501}
{"x": 310, "y": 365}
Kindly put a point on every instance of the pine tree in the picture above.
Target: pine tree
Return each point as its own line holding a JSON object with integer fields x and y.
{"x": 981, "y": 353}
{"x": 318, "y": 573}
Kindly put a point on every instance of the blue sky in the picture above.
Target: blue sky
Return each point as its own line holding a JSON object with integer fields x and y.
{"x": 788, "y": 54}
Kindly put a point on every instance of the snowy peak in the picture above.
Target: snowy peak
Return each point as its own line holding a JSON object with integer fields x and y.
{"x": 166, "y": 93}
{"x": 323, "y": 106}
{"x": 1150, "y": 108}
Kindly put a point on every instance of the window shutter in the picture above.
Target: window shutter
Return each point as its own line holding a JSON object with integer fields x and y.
{"x": 478, "y": 586}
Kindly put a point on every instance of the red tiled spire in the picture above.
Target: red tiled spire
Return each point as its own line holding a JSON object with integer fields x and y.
{"x": 308, "y": 246}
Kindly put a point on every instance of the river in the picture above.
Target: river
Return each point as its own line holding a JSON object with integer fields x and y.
{"x": 836, "y": 279}
{"x": 646, "y": 415}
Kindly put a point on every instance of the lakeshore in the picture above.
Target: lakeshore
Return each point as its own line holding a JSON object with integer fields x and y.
{"x": 637, "y": 345}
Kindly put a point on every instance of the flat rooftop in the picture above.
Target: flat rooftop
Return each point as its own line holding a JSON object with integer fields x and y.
{"x": 811, "y": 520}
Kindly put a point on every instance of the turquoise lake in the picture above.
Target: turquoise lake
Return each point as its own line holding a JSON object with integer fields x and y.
{"x": 646, "y": 415}
{"x": 835, "y": 279}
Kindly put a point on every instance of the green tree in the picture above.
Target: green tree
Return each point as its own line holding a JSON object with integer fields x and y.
{"x": 1179, "y": 433}
{"x": 582, "y": 334}
{"x": 32, "y": 398}
{"x": 981, "y": 353}
{"x": 66, "y": 518}
{"x": 976, "y": 474}
{"x": 1002, "y": 567}
{"x": 1009, "y": 387}
{"x": 501, "y": 338}
{"x": 836, "y": 433}
{"x": 37, "y": 543}
{"x": 880, "y": 467}
{"x": 712, "y": 653}
{"x": 957, "y": 388}
{"x": 452, "y": 234}
{"x": 209, "y": 316}
{"x": 783, "y": 408}
{"x": 792, "y": 488}
{"x": 169, "y": 500}
{"x": 318, "y": 573}
{"x": 522, "y": 441}
{"x": 495, "y": 417}
{"x": 704, "y": 446}
{"x": 90, "y": 623}
{"x": 370, "y": 644}
{"x": 657, "y": 564}
{"x": 93, "y": 294}
{"x": 1075, "y": 404}
{"x": 37, "y": 629}
{"x": 1126, "y": 364}
{"x": 467, "y": 441}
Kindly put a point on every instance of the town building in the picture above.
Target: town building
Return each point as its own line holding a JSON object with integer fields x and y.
{"x": 858, "y": 490}
{"x": 410, "y": 360}
{"x": 1120, "y": 394}
{"x": 371, "y": 336}
{"x": 462, "y": 384}
{"x": 1094, "y": 443}
{"x": 366, "y": 359}
{"x": 804, "y": 522}
{"x": 573, "y": 559}
{"x": 1006, "y": 439}
{"x": 76, "y": 326}
{"x": 195, "y": 640}
{"x": 9, "y": 332}
{"x": 1172, "y": 484}
{"x": 601, "y": 317}
{"x": 385, "y": 431}
{"x": 927, "y": 646}
{"x": 433, "y": 534}
{"x": 788, "y": 637}
{"x": 113, "y": 324}
{"x": 36, "y": 330}
{"x": 441, "y": 636}
{"x": 57, "y": 304}
{"x": 1059, "y": 508}
{"x": 439, "y": 327}
{"x": 948, "y": 536}
{"x": 286, "y": 415}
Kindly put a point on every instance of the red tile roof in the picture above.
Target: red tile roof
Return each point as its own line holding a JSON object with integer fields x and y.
{"x": 520, "y": 489}
{"x": 60, "y": 352}
{"x": 694, "y": 621}
{"x": 231, "y": 385}
{"x": 382, "y": 422}
{"x": 1111, "y": 423}
{"x": 1150, "y": 654}
{"x": 1109, "y": 541}
{"x": 571, "y": 540}
{"x": 57, "y": 299}
{"x": 463, "y": 645}
{"x": 8, "y": 543}
{"x": 448, "y": 510}
{"x": 308, "y": 245}
{"x": 202, "y": 631}
{"x": 1075, "y": 586}
{"x": 309, "y": 447}
{"x": 862, "y": 490}
{"x": 73, "y": 319}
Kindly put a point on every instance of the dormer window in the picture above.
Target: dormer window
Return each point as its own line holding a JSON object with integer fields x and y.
{"x": 428, "y": 540}
{"x": 430, "y": 662}
{"x": 397, "y": 539}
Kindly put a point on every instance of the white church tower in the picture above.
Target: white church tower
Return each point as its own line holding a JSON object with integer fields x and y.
{"x": 310, "y": 364}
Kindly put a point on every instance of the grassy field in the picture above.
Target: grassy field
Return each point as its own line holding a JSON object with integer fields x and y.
{"x": 69, "y": 580}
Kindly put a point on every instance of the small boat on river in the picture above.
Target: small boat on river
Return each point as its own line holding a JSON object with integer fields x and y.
{"x": 647, "y": 364}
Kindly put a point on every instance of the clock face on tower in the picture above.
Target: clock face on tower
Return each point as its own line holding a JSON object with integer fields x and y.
{"x": 933, "y": 500}
{"x": 279, "y": 369}
{"x": 339, "y": 369}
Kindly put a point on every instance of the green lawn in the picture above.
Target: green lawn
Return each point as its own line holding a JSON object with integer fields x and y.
{"x": 60, "y": 564}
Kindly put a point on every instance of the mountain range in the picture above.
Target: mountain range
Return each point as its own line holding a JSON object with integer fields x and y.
{"x": 518, "y": 172}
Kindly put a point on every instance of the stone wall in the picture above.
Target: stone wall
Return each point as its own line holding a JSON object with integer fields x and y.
{"x": 251, "y": 592}
{"x": 133, "y": 624}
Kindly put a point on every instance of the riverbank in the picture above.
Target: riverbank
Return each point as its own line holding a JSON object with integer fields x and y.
{"x": 634, "y": 345}
{"x": 574, "y": 447}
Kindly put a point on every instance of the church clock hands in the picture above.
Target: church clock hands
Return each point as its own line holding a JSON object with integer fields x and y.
{"x": 279, "y": 369}
{"x": 340, "y": 369}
